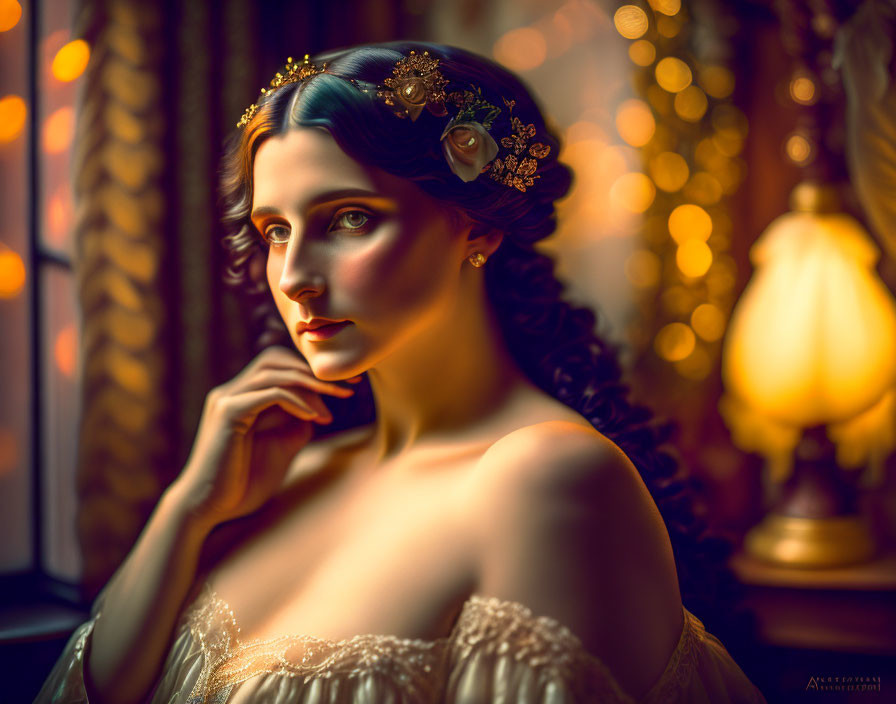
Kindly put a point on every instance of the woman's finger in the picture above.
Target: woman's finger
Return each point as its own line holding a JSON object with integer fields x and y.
{"x": 288, "y": 377}
{"x": 242, "y": 409}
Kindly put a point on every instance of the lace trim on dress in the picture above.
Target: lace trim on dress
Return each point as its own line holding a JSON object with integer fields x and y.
{"x": 229, "y": 661}
{"x": 507, "y": 628}
{"x": 678, "y": 670}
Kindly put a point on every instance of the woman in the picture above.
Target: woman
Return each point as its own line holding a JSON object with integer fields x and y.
{"x": 483, "y": 524}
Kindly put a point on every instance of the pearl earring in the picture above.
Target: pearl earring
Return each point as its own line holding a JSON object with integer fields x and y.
{"x": 477, "y": 259}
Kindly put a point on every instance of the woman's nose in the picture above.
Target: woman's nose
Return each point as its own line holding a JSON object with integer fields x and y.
{"x": 300, "y": 277}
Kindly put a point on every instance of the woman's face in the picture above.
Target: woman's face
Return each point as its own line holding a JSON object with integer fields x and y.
{"x": 351, "y": 243}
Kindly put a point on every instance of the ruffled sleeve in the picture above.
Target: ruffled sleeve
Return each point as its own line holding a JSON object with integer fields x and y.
{"x": 65, "y": 683}
{"x": 500, "y": 652}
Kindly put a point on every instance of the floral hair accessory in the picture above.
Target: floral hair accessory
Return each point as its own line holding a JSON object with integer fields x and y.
{"x": 466, "y": 142}
{"x": 292, "y": 72}
{"x": 415, "y": 84}
{"x": 517, "y": 169}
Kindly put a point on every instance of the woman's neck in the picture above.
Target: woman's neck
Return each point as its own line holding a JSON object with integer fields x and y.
{"x": 449, "y": 377}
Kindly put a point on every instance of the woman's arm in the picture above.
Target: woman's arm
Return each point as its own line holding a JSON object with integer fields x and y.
{"x": 142, "y": 603}
{"x": 251, "y": 429}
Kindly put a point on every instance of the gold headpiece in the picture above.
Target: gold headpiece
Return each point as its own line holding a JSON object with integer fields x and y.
{"x": 415, "y": 84}
{"x": 470, "y": 150}
{"x": 293, "y": 72}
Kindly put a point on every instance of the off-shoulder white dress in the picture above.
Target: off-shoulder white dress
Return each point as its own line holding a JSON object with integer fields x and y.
{"x": 498, "y": 652}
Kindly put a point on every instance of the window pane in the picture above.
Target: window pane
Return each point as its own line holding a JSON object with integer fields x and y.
{"x": 15, "y": 333}
{"x": 63, "y": 59}
{"x": 59, "y": 423}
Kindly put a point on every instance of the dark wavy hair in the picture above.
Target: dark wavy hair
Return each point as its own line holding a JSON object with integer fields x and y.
{"x": 553, "y": 342}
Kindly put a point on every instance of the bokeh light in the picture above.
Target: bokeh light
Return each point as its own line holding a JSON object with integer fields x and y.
{"x": 631, "y": 21}
{"x": 673, "y": 74}
{"x": 65, "y": 350}
{"x": 59, "y": 130}
{"x": 12, "y": 274}
{"x": 708, "y": 321}
{"x": 669, "y": 171}
{"x": 666, "y": 7}
{"x": 717, "y": 81}
{"x": 633, "y": 191}
{"x": 667, "y": 26}
{"x": 59, "y": 215}
{"x": 70, "y": 61}
{"x": 703, "y": 188}
{"x": 521, "y": 49}
{"x": 643, "y": 268}
{"x": 13, "y": 112}
{"x": 802, "y": 90}
{"x": 691, "y": 103}
{"x": 642, "y": 52}
{"x": 674, "y": 342}
{"x": 693, "y": 257}
{"x": 635, "y": 122}
{"x": 696, "y": 366}
{"x": 690, "y": 222}
{"x": 798, "y": 149}
{"x": 10, "y": 14}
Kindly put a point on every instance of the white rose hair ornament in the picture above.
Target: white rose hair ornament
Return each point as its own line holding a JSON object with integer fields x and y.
{"x": 416, "y": 84}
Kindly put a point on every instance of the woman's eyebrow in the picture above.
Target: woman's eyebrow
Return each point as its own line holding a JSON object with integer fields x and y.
{"x": 326, "y": 197}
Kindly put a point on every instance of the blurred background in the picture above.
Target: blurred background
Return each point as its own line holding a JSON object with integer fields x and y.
{"x": 733, "y": 222}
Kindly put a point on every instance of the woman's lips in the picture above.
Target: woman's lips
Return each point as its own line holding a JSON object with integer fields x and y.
{"x": 325, "y": 331}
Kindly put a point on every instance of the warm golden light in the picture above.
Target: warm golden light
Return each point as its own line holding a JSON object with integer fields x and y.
{"x": 635, "y": 123}
{"x": 693, "y": 257}
{"x": 10, "y": 14}
{"x": 802, "y": 90}
{"x": 71, "y": 60}
{"x": 690, "y": 104}
{"x": 59, "y": 130}
{"x": 717, "y": 81}
{"x": 696, "y": 366}
{"x": 12, "y": 274}
{"x": 703, "y": 188}
{"x": 521, "y": 49}
{"x": 643, "y": 268}
{"x": 59, "y": 215}
{"x": 798, "y": 149}
{"x": 633, "y": 191}
{"x": 673, "y": 74}
{"x": 674, "y": 342}
{"x": 13, "y": 113}
{"x": 642, "y": 52}
{"x": 666, "y": 7}
{"x": 669, "y": 171}
{"x": 667, "y": 26}
{"x": 689, "y": 222}
{"x": 631, "y": 21}
{"x": 813, "y": 338}
{"x": 65, "y": 350}
{"x": 708, "y": 322}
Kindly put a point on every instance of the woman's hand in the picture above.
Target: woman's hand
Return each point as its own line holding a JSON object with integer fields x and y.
{"x": 251, "y": 429}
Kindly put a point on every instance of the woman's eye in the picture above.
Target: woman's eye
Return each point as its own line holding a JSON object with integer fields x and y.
{"x": 276, "y": 234}
{"x": 351, "y": 220}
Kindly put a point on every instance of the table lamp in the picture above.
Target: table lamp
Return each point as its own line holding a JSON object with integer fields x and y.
{"x": 809, "y": 365}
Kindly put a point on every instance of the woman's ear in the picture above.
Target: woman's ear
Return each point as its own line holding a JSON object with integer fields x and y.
{"x": 484, "y": 239}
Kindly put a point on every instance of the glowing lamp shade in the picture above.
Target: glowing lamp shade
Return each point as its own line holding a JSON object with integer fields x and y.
{"x": 812, "y": 339}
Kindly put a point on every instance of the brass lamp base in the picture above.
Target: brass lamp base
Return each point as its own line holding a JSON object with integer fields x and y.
{"x": 810, "y": 542}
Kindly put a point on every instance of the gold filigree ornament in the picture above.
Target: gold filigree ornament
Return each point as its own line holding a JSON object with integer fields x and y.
{"x": 415, "y": 83}
{"x": 292, "y": 72}
{"x": 518, "y": 168}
